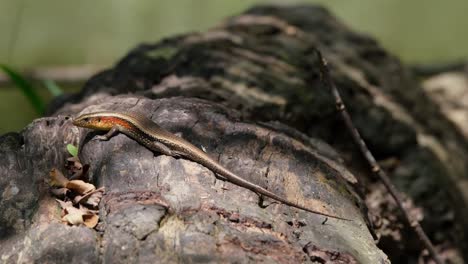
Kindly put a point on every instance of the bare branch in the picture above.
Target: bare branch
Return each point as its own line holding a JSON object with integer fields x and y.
{"x": 340, "y": 106}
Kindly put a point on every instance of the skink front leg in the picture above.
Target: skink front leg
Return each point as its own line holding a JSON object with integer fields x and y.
{"x": 114, "y": 131}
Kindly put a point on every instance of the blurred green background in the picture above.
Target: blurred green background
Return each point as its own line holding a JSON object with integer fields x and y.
{"x": 37, "y": 34}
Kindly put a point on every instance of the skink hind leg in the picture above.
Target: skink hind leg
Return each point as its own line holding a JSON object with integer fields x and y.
{"x": 163, "y": 149}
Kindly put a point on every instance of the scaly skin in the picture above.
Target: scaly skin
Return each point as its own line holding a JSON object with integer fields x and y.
{"x": 154, "y": 137}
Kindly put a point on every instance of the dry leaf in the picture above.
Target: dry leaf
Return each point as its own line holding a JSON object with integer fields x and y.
{"x": 63, "y": 204}
{"x": 60, "y": 192}
{"x": 80, "y": 186}
{"x": 76, "y": 168}
{"x": 80, "y": 174}
{"x": 57, "y": 178}
{"x": 90, "y": 217}
{"x": 73, "y": 163}
{"x": 71, "y": 215}
{"x": 75, "y": 216}
{"x": 91, "y": 220}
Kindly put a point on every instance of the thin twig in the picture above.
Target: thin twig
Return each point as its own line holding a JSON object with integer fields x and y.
{"x": 414, "y": 224}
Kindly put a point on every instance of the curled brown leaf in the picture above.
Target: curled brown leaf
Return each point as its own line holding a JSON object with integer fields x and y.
{"x": 75, "y": 216}
{"x": 57, "y": 179}
{"x": 91, "y": 220}
{"x": 80, "y": 186}
{"x": 60, "y": 192}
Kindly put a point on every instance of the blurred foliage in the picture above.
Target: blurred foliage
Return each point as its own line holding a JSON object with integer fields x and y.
{"x": 26, "y": 88}
{"x": 98, "y": 32}
{"x": 56, "y": 32}
{"x": 52, "y": 87}
{"x": 16, "y": 111}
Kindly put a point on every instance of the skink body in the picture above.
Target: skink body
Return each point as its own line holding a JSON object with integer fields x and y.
{"x": 154, "y": 137}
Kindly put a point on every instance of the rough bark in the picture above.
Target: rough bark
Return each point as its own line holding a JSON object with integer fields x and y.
{"x": 249, "y": 92}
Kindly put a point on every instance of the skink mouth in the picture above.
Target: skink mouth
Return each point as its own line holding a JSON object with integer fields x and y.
{"x": 75, "y": 121}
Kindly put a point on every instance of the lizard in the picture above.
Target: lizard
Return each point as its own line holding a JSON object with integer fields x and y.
{"x": 149, "y": 134}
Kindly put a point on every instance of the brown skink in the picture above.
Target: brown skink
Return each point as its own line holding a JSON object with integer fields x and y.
{"x": 155, "y": 138}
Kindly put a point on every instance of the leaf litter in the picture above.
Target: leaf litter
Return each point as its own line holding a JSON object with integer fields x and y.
{"x": 78, "y": 199}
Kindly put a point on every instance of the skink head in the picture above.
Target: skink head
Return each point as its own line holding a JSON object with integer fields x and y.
{"x": 98, "y": 121}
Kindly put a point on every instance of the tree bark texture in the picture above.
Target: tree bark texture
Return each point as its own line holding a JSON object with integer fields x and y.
{"x": 249, "y": 92}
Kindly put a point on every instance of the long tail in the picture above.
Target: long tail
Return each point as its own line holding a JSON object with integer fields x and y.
{"x": 260, "y": 190}
{"x": 204, "y": 159}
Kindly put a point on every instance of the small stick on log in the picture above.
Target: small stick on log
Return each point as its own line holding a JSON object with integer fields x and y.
{"x": 414, "y": 224}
